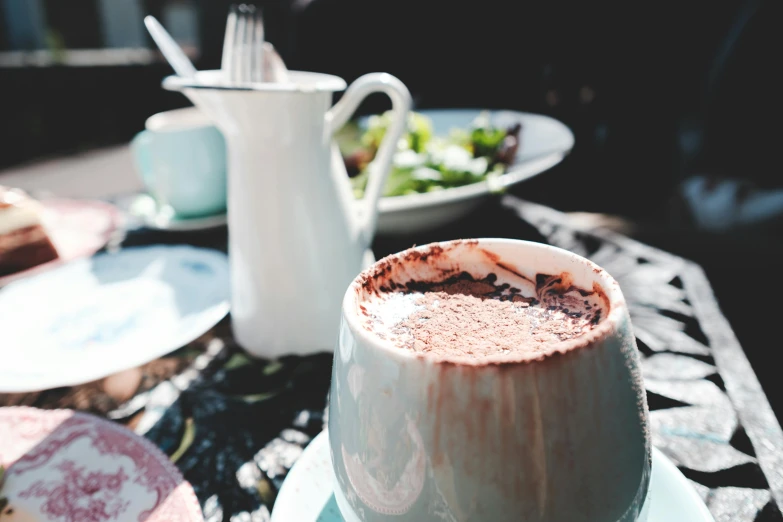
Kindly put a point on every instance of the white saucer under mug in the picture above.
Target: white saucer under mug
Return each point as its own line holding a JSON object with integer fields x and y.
{"x": 144, "y": 208}
{"x": 307, "y": 494}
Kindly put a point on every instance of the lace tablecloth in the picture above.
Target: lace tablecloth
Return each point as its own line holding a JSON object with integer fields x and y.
{"x": 236, "y": 425}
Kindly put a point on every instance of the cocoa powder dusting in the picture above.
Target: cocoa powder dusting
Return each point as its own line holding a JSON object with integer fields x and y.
{"x": 465, "y": 317}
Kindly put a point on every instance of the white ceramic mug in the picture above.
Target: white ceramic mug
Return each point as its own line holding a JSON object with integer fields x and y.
{"x": 560, "y": 439}
{"x": 181, "y": 158}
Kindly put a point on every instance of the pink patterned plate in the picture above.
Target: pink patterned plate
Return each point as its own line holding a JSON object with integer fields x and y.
{"x": 78, "y": 228}
{"x": 65, "y": 466}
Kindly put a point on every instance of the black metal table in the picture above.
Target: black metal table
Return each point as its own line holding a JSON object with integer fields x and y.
{"x": 236, "y": 425}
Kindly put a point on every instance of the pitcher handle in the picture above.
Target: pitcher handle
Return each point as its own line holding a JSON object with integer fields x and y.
{"x": 338, "y": 115}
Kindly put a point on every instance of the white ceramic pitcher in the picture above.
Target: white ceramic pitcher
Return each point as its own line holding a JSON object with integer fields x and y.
{"x": 297, "y": 236}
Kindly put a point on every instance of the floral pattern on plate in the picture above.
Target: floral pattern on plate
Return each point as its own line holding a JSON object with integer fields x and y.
{"x": 65, "y": 466}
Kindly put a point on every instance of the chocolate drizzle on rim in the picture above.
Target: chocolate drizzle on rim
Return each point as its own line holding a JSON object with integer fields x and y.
{"x": 570, "y": 314}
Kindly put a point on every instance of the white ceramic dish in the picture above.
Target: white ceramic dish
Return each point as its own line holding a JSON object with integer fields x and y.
{"x": 93, "y": 317}
{"x": 307, "y": 494}
{"x": 544, "y": 142}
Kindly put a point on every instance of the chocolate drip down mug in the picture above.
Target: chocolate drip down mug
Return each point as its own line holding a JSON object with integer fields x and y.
{"x": 560, "y": 435}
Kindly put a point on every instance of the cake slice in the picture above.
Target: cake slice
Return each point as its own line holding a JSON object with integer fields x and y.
{"x": 24, "y": 242}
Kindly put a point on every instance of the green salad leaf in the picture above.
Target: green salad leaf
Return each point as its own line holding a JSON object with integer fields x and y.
{"x": 349, "y": 138}
{"x": 423, "y": 162}
{"x": 417, "y": 135}
{"x": 486, "y": 141}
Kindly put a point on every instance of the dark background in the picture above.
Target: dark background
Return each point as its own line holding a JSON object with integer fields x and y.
{"x": 629, "y": 80}
{"x": 654, "y": 92}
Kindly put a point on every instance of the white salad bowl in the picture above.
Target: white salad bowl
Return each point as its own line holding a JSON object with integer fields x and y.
{"x": 543, "y": 143}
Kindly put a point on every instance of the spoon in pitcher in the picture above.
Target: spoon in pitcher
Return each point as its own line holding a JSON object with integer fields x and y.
{"x": 170, "y": 49}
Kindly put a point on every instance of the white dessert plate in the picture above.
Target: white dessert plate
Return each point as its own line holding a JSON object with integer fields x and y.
{"x": 77, "y": 228}
{"x": 68, "y": 466}
{"x": 307, "y": 494}
{"x": 543, "y": 143}
{"x": 93, "y": 317}
{"x": 144, "y": 208}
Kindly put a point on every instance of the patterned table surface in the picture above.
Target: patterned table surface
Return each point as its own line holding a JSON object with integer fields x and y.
{"x": 235, "y": 425}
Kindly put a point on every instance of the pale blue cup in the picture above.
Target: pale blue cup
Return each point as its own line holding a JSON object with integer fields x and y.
{"x": 181, "y": 159}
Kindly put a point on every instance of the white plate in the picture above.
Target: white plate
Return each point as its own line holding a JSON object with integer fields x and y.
{"x": 544, "y": 142}
{"x": 306, "y": 495}
{"x": 144, "y": 208}
{"x": 93, "y": 317}
{"x": 69, "y": 466}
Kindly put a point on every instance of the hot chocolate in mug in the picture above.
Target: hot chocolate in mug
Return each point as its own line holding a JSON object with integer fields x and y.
{"x": 558, "y": 435}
